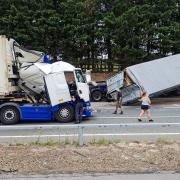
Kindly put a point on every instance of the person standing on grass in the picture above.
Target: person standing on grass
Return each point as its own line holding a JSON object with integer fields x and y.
{"x": 118, "y": 101}
{"x": 145, "y": 107}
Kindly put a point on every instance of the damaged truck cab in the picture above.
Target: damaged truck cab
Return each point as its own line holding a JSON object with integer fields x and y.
{"x": 34, "y": 89}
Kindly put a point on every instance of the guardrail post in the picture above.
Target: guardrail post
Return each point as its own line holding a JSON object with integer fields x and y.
{"x": 80, "y": 136}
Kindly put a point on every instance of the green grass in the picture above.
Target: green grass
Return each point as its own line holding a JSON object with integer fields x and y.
{"x": 68, "y": 142}
{"x": 50, "y": 142}
{"x": 104, "y": 142}
{"x": 55, "y": 143}
{"x": 164, "y": 141}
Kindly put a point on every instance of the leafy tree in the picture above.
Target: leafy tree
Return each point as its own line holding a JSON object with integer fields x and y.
{"x": 81, "y": 31}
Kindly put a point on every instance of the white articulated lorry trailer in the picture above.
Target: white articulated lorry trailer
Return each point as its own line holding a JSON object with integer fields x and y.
{"x": 32, "y": 88}
{"x": 154, "y": 77}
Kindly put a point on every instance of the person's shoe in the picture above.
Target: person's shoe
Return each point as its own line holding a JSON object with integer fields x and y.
{"x": 139, "y": 120}
{"x": 121, "y": 112}
{"x": 115, "y": 112}
{"x": 150, "y": 120}
{"x": 77, "y": 122}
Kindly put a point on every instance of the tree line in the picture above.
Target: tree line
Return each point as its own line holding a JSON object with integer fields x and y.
{"x": 95, "y": 33}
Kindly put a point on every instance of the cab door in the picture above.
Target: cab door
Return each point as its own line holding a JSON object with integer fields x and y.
{"x": 82, "y": 86}
{"x": 57, "y": 88}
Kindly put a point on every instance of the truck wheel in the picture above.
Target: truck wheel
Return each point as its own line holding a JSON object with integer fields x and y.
{"x": 96, "y": 96}
{"x": 9, "y": 115}
{"x": 65, "y": 114}
{"x": 109, "y": 98}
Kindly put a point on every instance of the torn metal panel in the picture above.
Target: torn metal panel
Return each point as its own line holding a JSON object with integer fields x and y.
{"x": 115, "y": 82}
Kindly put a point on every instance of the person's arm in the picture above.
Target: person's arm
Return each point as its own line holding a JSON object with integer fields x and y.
{"x": 149, "y": 101}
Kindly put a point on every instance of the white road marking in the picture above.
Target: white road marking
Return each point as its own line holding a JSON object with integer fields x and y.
{"x": 172, "y": 107}
{"x": 62, "y": 126}
{"x": 89, "y": 135}
{"x": 133, "y": 117}
{"x": 133, "y": 134}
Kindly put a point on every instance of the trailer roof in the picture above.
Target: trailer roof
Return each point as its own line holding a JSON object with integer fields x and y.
{"x": 157, "y": 75}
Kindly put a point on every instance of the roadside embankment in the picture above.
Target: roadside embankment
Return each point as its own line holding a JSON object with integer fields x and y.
{"x": 102, "y": 156}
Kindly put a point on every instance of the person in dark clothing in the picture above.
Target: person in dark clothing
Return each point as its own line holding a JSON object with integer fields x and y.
{"x": 78, "y": 108}
{"x": 118, "y": 101}
{"x": 72, "y": 88}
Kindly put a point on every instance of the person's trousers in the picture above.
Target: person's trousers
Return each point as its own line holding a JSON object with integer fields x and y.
{"x": 78, "y": 112}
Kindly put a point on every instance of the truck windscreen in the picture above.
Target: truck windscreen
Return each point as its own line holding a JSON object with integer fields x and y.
{"x": 79, "y": 76}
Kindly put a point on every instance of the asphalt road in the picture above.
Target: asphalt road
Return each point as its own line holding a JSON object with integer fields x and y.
{"x": 166, "y": 125}
{"x": 160, "y": 176}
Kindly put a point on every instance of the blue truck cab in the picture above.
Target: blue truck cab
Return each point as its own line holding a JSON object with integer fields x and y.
{"x": 16, "y": 112}
{"x": 33, "y": 89}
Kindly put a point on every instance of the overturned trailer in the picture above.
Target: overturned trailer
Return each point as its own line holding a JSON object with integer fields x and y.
{"x": 154, "y": 77}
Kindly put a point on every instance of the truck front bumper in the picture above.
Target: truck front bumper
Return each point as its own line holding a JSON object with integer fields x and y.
{"x": 87, "y": 112}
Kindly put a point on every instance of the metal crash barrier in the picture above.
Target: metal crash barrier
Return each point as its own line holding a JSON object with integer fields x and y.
{"x": 75, "y": 132}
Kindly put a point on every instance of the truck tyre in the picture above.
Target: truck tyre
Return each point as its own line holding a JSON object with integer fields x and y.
{"x": 65, "y": 114}
{"x": 96, "y": 95}
{"x": 109, "y": 98}
{"x": 9, "y": 115}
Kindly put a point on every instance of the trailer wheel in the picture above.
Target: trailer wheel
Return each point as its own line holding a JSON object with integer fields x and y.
{"x": 65, "y": 114}
{"x": 109, "y": 98}
{"x": 9, "y": 115}
{"x": 96, "y": 95}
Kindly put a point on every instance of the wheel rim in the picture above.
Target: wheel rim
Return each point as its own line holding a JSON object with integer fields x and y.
{"x": 64, "y": 113}
{"x": 9, "y": 115}
{"x": 97, "y": 96}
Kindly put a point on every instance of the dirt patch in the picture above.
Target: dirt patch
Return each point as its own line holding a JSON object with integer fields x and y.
{"x": 101, "y": 76}
{"x": 120, "y": 157}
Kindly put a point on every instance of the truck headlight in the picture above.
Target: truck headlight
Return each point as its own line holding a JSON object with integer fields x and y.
{"x": 88, "y": 107}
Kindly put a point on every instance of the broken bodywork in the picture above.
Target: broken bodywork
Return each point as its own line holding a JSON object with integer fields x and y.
{"x": 154, "y": 77}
